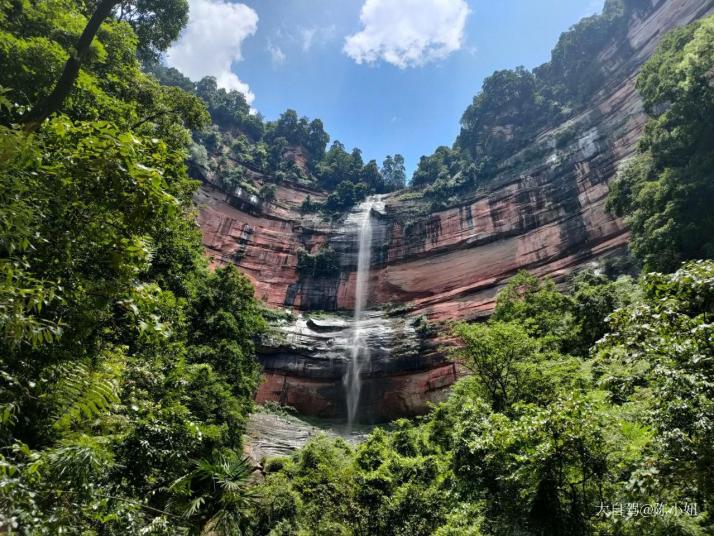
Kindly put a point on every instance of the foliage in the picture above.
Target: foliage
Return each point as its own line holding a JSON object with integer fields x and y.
{"x": 350, "y": 180}
{"x": 594, "y": 298}
{"x": 157, "y": 23}
{"x": 302, "y": 132}
{"x": 537, "y": 305}
{"x": 338, "y": 166}
{"x": 345, "y": 196}
{"x": 395, "y": 177}
{"x": 323, "y": 263}
{"x": 504, "y": 115}
{"x": 123, "y": 358}
{"x": 308, "y": 205}
{"x": 268, "y": 192}
{"x": 229, "y": 109}
{"x": 442, "y": 165}
{"x": 660, "y": 348}
{"x": 110, "y": 85}
{"x": 535, "y": 441}
{"x": 570, "y": 323}
{"x": 217, "y": 492}
{"x": 541, "y": 470}
{"x": 291, "y": 148}
{"x": 666, "y": 191}
{"x": 127, "y": 367}
{"x": 572, "y": 77}
{"x": 504, "y": 360}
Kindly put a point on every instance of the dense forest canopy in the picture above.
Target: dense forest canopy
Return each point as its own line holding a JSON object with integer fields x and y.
{"x": 127, "y": 366}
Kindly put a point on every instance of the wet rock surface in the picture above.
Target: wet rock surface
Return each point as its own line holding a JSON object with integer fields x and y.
{"x": 269, "y": 435}
{"x": 318, "y": 347}
{"x": 305, "y": 361}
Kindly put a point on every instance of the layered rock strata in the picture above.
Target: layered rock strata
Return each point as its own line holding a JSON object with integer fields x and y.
{"x": 307, "y": 357}
{"x": 543, "y": 212}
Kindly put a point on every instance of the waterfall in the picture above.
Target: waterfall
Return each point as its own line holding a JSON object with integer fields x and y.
{"x": 359, "y": 350}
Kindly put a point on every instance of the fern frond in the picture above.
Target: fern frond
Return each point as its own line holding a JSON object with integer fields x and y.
{"x": 80, "y": 460}
{"x": 193, "y": 507}
{"x": 82, "y": 393}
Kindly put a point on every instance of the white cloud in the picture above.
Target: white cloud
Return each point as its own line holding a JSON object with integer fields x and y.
{"x": 308, "y": 34}
{"x": 212, "y": 42}
{"x": 316, "y": 36}
{"x": 276, "y": 54}
{"x": 408, "y": 33}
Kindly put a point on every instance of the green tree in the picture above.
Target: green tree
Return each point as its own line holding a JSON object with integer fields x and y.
{"x": 538, "y": 306}
{"x": 440, "y": 166}
{"x": 660, "y": 351}
{"x": 346, "y": 196}
{"x": 394, "y": 174}
{"x": 157, "y": 23}
{"x": 225, "y": 323}
{"x": 666, "y": 192}
{"x": 572, "y": 76}
{"x": 300, "y": 132}
{"x": 123, "y": 357}
{"x": 594, "y": 298}
{"x": 215, "y": 495}
{"x": 372, "y": 177}
{"x": 267, "y": 193}
{"x": 317, "y": 140}
{"x": 503, "y": 116}
{"x": 540, "y": 472}
{"x": 502, "y": 357}
{"x": 229, "y": 109}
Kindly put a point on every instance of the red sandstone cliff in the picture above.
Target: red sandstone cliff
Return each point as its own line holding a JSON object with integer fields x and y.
{"x": 544, "y": 212}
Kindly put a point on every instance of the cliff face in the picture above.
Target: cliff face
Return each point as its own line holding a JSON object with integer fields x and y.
{"x": 307, "y": 358}
{"x": 544, "y": 212}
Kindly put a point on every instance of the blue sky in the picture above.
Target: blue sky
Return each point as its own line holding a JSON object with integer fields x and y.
{"x": 387, "y": 76}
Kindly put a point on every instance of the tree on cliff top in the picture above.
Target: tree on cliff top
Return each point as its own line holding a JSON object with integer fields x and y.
{"x": 393, "y": 171}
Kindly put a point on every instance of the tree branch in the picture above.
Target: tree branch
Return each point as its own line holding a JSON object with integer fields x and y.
{"x": 54, "y": 100}
{"x": 154, "y": 116}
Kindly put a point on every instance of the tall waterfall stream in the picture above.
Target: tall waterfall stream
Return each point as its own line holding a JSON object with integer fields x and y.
{"x": 359, "y": 351}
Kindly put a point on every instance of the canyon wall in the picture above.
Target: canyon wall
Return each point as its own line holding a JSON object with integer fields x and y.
{"x": 544, "y": 212}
